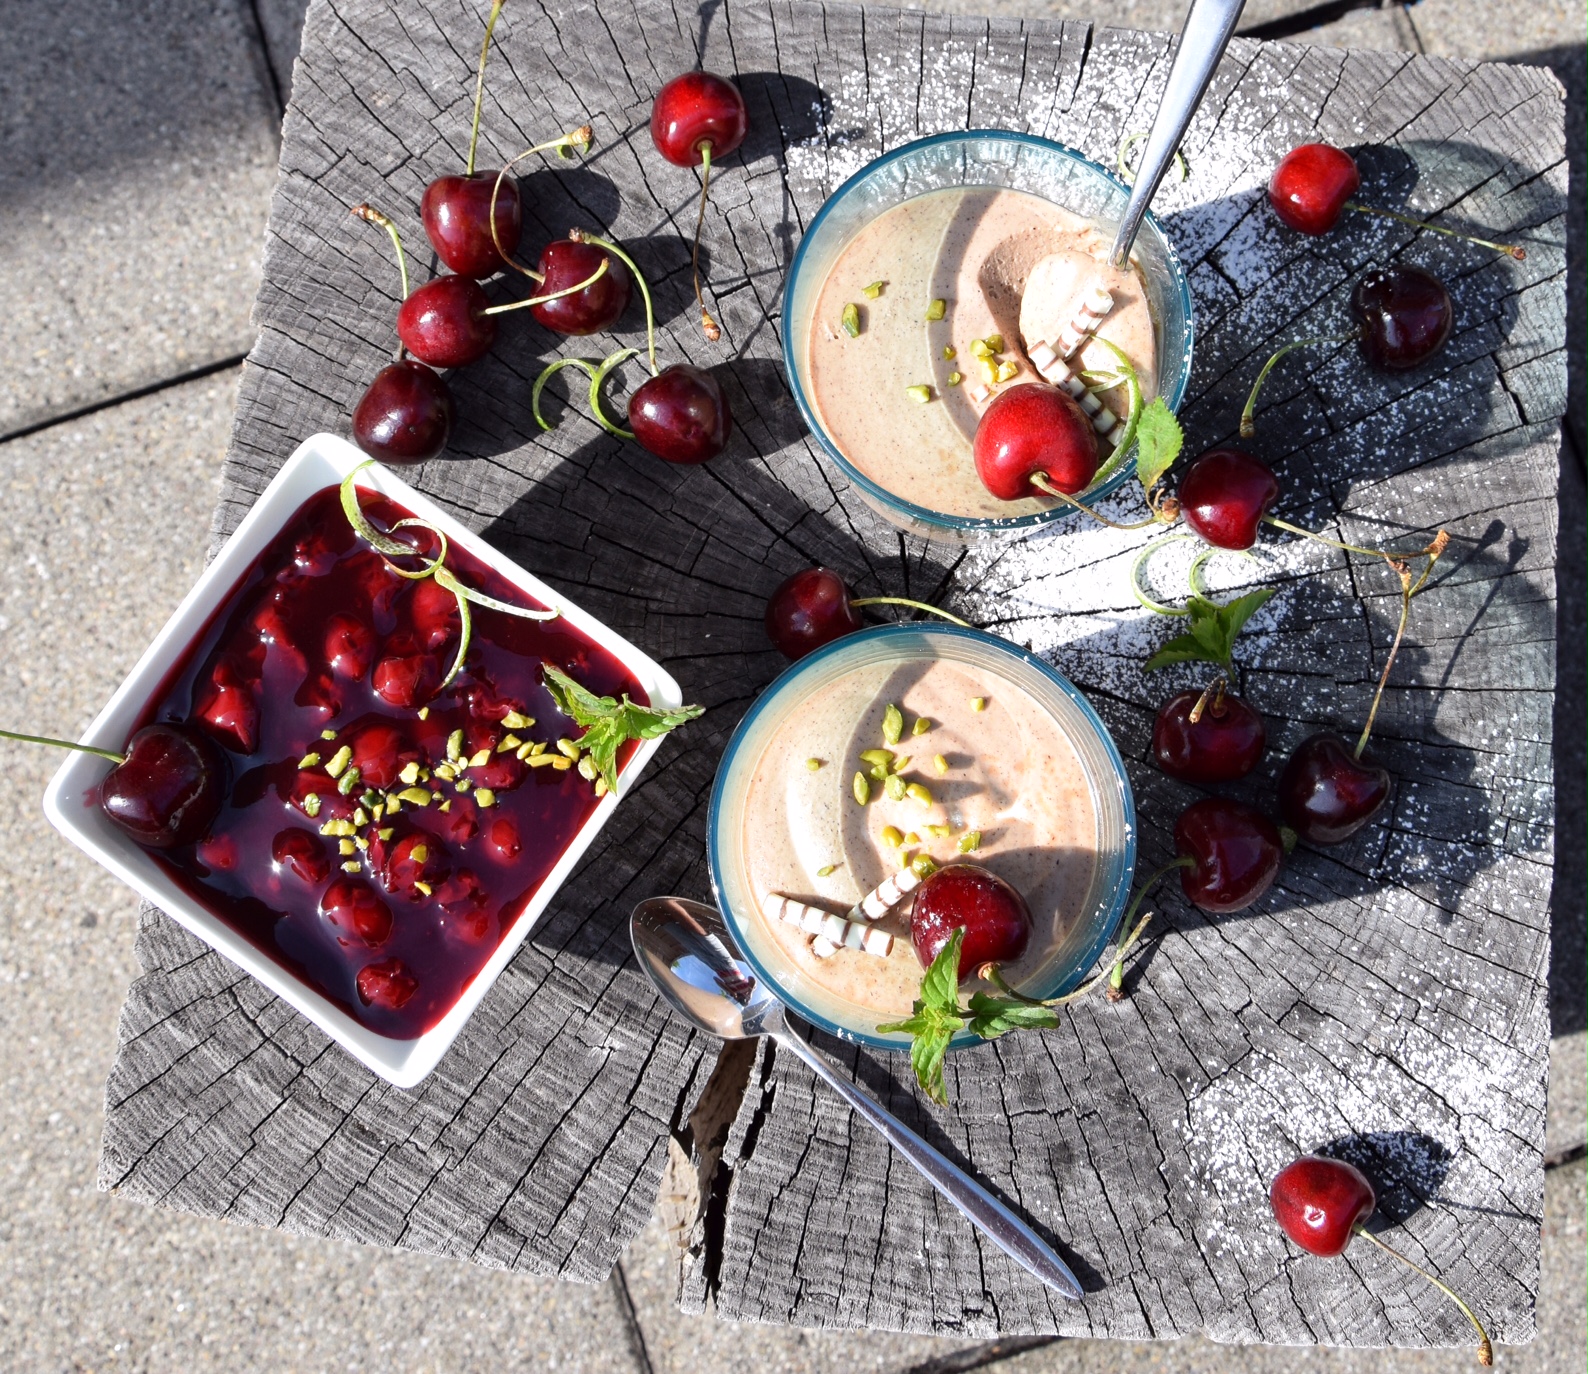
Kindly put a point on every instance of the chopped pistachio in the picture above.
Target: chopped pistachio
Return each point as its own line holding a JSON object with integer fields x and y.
{"x": 538, "y": 748}
{"x": 939, "y": 832}
{"x": 525, "y": 750}
{"x": 921, "y": 726}
{"x": 955, "y": 378}
{"x": 587, "y": 769}
{"x": 891, "y": 836}
{"x": 906, "y": 858}
{"x": 980, "y": 348}
{"x": 561, "y": 764}
{"x": 479, "y": 758}
{"x": 970, "y": 842}
{"x": 1007, "y": 369}
{"x": 923, "y": 865}
{"x": 892, "y": 724}
{"x": 347, "y": 782}
{"x": 568, "y": 748}
{"x": 879, "y": 771}
{"x": 989, "y": 370}
{"x": 346, "y": 847}
{"x": 813, "y": 764}
{"x": 849, "y": 320}
{"x": 360, "y": 816}
{"x": 377, "y": 811}
{"x": 912, "y": 838}
{"x": 484, "y": 796}
{"x": 337, "y": 826}
{"x": 827, "y": 870}
{"x": 949, "y": 353}
{"x": 419, "y": 853}
{"x": 455, "y": 745}
{"x": 874, "y": 290}
{"x": 918, "y": 792}
{"x": 328, "y": 734}
{"x": 311, "y": 805}
{"x": 995, "y": 342}
{"x": 424, "y": 713}
{"x": 940, "y": 763}
{"x": 385, "y": 832}
{"x": 309, "y": 760}
{"x": 415, "y": 796}
{"x": 875, "y": 756}
{"x": 462, "y": 785}
{"x": 937, "y": 309}
{"x": 360, "y": 843}
{"x": 901, "y": 763}
{"x": 393, "y": 805}
{"x": 978, "y": 703}
{"x": 339, "y": 761}
{"x": 919, "y": 394}
{"x": 509, "y": 743}
{"x": 894, "y": 787}
{"x": 436, "y": 796}
{"x": 445, "y": 771}
{"x": 368, "y": 798}
{"x": 352, "y": 866}
{"x": 541, "y": 760}
{"x": 862, "y": 789}
{"x": 423, "y": 889}
{"x": 410, "y": 773}
{"x": 515, "y": 720}
{"x": 446, "y": 805}
{"x": 601, "y": 788}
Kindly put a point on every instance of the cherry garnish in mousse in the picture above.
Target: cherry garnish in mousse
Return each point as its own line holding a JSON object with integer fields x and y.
{"x": 1313, "y": 185}
{"x": 681, "y": 415}
{"x": 472, "y": 221}
{"x": 1321, "y": 1203}
{"x": 1225, "y": 494}
{"x": 1034, "y": 438}
{"x": 814, "y": 607}
{"x": 697, "y": 119}
{"x": 968, "y": 897}
{"x": 1208, "y": 737}
{"x": 1234, "y": 853}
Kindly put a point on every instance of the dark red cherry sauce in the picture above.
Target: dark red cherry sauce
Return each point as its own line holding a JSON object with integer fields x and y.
{"x": 394, "y": 917}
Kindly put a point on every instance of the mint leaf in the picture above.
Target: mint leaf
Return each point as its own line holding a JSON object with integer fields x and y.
{"x": 991, "y": 1016}
{"x": 1238, "y": 612}
{"x": 1159, "y": 440}
{"x": 940, "y": 983}
{"x": 937, "y": 1017}
{"x": 1214, "y": 629}
{"x": 610, "y": 723}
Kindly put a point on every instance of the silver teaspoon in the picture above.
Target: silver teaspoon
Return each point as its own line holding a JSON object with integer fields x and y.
{"x": 686, "y": 951}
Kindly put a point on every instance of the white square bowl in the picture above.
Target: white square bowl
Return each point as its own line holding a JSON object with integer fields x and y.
{"x": 71, "y": 801}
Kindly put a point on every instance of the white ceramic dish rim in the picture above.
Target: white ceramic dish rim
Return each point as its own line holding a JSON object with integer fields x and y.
{"x": 320, "y": 461}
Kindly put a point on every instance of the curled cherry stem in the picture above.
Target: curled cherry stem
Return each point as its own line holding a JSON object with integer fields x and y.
{"x": 479, "y": 89}
{"x": 64, "y": 744}
{"x": 1485, "y": 1349}
{"x": 918, "y": 605}
{"x": 1509, "y": 249}
{"x": 551, "y": 295}
{"x": 1156, "y": 607}
{"x": 1248, "y": 420}
{"x": 650, "y": 314}
{"x": 580, "y": 138}
{"x": 707, "y": 324}
{"x": 371, "y": 215}
{"x": 1041, "y": 482}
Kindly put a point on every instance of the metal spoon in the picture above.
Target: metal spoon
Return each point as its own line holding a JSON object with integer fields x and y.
{"x": 1202, "y": 42}
{"x": 686, "y": 950}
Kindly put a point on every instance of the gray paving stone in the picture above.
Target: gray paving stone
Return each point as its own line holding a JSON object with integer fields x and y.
{"x": 281, "y": 21}
{"x": 137, "y": 157}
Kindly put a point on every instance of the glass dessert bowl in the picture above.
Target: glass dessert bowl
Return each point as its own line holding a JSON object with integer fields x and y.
{"x": 945, "y": 273}
{"x": 964, "y": 748}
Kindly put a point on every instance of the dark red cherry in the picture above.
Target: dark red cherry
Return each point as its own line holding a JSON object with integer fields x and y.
{"x": 433, "y": 611}
{"x": 379, "y": 753}
{"x": 1236, "y": 849}
{"x": 1224, "y": 496}
{"x": 406, "y": 415}
{"x": 502, "y": 837}
{"x": 1406, "y": 315}
{"x": 1224, "y": 743}
{"x": 386, "y": 984}
{"x": 1311, "y": 185}
{"x": 808, "y": 610}
{"x": 349, "y": 646}
{"x": 357, "y": 911}
{"x": 994, "y": 917}
{"x": 694, "y": 109}
{"x": 456, "y": 212}
{"x": 681, "y": 415}
{"x": 1029, "y": 429}
{"x": 303, "y": 853}
{"x": 1320, "y": 1202}
{"x": 1326, "y": 793}
{"x": 416, "y": 858}
{"x": 407, "y": 679}
{"x": 168, "y": 789}
{"x": 229, "y": 707}
{"x": 564, "y": 263}
{"x": 444, "y": 323}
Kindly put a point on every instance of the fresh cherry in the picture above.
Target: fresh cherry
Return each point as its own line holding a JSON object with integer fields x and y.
{"x": 681, "y": 415}
{"x": 1224, "y": 496}
{"x": 1235, "y": 851}
{"x": 386, "y": 984}
{"x": 355, "y": 908}
{"x": 1034, "y": 431}
{"x": 456, "y": 212}
{"x": 1327, "y": 793}
{"x": 445, "y": 322}
{"x": 963, "y": 896}
{"x": 698, "y": 114}
{"x": 1310, "y": 187}
{"x": 564, "y": 263}
{"x": 1222, "y": 741}
{"x": 1406, "y": 315}
{"x": 405, "y": 416}
{"x": 168, "y": 789}
{"x": 809, "y": 609}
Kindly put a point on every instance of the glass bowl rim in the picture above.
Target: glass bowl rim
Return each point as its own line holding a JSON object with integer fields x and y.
{"x": 970, "y": 524}
{"x": 1114, "y": 901}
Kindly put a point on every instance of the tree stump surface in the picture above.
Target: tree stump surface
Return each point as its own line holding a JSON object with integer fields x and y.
{"x": 1387, "y": 996}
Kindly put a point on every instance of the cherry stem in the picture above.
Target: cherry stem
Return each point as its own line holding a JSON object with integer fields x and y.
{"x": 580, "y": 138}
{"x": 370, "y": 215}
{"x": 707, "y": 324}
{"x": 64, "y": 744}
{"x": 1279, "y": 524}
{"x": 479, "y": 89}
{"x": 579, "y": 235}
{"x": 918, "y": 605}
{"x": 1510, "y": 250}
{"x": 1042, "y": 483}
{"x": 550, "y": 295}
{"x": 1156, "y": 607}
{"x": 1400, "y": 631}
{"x": 1248, "y": 422}
{"x": 1485, "y": 1349}
{"x": 1218, "y": 685}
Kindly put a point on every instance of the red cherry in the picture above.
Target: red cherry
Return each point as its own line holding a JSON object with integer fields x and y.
{"x": 456, "y": 212}
{"x": 1311, "y": 185}
{"x": 501, "y": 772}
{"x": 444, "y": 323}
{"x": 696, "y": 109}
{"x": 564, "y": 263}
{"x": 353, "y": 906}
{"x": 228, "y": 706}
{"x": 1224, "y": 743}
{"x": 386, "y": 984}
{"x": 406, "y": 415}
{"x": 681, "y": 415}
{"x": 503, "y": 840}
{"x": 379, "y": 752}
{"x": 1320, "y": 1202}
{"x": 168, "y": 789}
{"x": 407, "y": 679}
{"x": 994, "y": 917}
{"x": 1326, "y": 793}
{"x": 417, "y": 857}
{"x": 1224, "y": 496}
{"x": 1236, "y": 849}
{"x": 808, "y": 610}
{"x": 433, "y": 612}
{"x": 1034, "y": 428}
{"x": 349, "y": 646}
{"x": 1406, "y": 315}
{"x": 296, "y": 849}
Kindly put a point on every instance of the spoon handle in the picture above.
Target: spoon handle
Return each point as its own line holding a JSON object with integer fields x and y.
{"x": 1002, "y": 1226}
{"x": 1202, "y": 42}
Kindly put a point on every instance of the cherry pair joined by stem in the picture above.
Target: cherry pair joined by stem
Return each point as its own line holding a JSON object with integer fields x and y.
{"x": 814, "y": 607}
{"x": 968, "y": 897}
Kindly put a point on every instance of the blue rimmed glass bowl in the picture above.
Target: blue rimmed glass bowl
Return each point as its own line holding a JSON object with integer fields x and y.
{"x": 978, "y": 157}
{"x": 804, "y": 683}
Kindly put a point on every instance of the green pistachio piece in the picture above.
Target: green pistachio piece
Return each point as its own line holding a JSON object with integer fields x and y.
{"x": 921, "y": 726}
{"x": 826, "y": 870}
{"x": 923, "y": 865}
{"x": 850, "y": 320}
{"x": 874, "y": 290}
{"x": 970, "y": 842}
{"x": 813, "y": 764}
{"x": 919, "y": 394}
{"x": 878, "y": 756}
{"x": 862, "y": 789}
{"x": 937, "y": 309}
{"x": 892, "y": 724}
{"x": 894, "y": 787}
{"x": 949, "y": 353}
{"x": 940, "y": 763}
{"x": 918, "y": 792}
{"x": 891, "y": 836}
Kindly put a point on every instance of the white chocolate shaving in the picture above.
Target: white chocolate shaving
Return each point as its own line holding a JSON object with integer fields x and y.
{"x": 882, "y": 899}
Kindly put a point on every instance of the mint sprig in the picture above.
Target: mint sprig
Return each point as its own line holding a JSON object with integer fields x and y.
{"x": 608, "y": 722}
{"x": 1159, "y": 440}
{"x": 1214, "y": 628}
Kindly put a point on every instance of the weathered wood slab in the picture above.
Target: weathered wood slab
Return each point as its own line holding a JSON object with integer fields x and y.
{"x": 1391, "y": 990}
